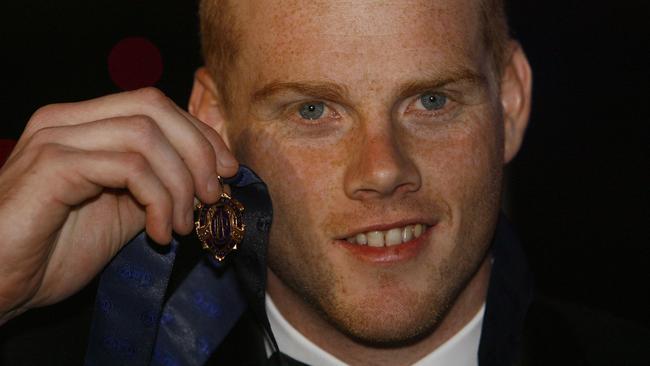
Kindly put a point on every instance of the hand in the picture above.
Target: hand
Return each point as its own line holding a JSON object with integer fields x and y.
{"x": 86, "y": 177}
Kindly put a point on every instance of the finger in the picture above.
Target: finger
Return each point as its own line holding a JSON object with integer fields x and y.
{"x": 84, "y": 175}
{"x": 227, "y": 164}
{"x": 137, "y": 134}
{"x": 193, "y": 146}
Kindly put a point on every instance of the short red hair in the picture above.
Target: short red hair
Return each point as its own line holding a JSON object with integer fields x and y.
{"x": 220, "y": 38}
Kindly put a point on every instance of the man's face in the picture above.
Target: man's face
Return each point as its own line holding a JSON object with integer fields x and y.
{"x": 367, "y": 119}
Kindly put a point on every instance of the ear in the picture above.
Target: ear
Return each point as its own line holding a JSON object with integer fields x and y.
{"x": 516, "y": 86}
{"x": 205, "y": 103}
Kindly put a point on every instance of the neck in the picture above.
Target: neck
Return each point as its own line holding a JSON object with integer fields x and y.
{"x": 310, "y": 324}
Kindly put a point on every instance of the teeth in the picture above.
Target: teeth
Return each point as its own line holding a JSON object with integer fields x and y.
{"x": 393, "y": 237}
{"x": 407, "y": 234}
{"x": 388, "y": 238}
{"x": 375, "y": 239}
{"x": 418, "y": 230}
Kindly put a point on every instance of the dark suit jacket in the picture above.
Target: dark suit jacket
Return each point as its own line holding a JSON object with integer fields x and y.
{"x": 519, "y": 328}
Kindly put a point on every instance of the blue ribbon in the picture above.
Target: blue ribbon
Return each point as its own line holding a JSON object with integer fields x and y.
{"x": 198, "y": 316}
{"x": 129, "y": 303}
{"x": 133, "y": 325}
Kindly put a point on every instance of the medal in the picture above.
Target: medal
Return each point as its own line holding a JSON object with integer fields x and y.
{"x": 220, "y": 226}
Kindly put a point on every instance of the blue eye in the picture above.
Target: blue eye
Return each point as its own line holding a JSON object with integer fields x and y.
{"x": 433, "y": 101}
{"x": 312, "y": 110}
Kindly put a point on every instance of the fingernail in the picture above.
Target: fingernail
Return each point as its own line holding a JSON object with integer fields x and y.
{"x": 227, "y": 160}
{"x": 213, "y": 184}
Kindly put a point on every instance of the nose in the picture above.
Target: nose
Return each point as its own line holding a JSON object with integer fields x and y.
{"x": 381, "y": 167}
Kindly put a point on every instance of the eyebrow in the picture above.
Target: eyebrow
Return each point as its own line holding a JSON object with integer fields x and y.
{"x": 462, "y": 75}
{"x": 320, "y": 89}
{"x": 333, "y": 91}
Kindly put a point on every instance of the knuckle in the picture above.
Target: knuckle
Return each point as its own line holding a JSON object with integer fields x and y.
{"x": 49, "y": 152}
{"x": 144, "y": 128}
{"x": 153, "y": 96}
{"x": 135, "y": 163}
{"x": 42, "y": 136}
{"x": 43, "y": 116}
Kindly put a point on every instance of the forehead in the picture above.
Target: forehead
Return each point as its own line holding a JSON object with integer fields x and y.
{"x": 357, "y": 41}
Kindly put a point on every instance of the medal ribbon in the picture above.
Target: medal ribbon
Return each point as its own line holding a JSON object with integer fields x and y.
{"x": 128, "y": 304}
{"x": 132, "y": 325}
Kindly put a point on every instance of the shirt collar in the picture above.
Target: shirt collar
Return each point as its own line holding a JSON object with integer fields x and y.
{"x": 509, "y": 296}
{"x": 459, "y": 350}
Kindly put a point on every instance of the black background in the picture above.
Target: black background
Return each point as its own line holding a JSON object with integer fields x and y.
{"x": 577, "y": 193}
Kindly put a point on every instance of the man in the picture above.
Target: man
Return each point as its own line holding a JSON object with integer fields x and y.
{"x": 381, "y": 130}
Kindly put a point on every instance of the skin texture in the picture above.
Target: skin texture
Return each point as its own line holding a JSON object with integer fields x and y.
{"x": 376, "y": 157}
{"x": 86, "y": 177}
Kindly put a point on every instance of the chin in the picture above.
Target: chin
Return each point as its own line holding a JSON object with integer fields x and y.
{"x": 376, "y": 305}
{"x": 384, "y": 321}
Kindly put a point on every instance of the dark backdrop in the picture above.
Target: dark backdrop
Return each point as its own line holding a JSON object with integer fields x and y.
{"x": 578, "y": 192}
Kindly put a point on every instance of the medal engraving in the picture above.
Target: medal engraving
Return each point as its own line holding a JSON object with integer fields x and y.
{"x": 220, "y": 227}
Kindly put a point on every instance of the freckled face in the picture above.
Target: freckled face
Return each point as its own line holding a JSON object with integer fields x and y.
{"x": 367, "y": 115}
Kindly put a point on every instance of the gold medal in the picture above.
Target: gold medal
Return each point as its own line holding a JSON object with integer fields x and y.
{"x": 220, "y": 226}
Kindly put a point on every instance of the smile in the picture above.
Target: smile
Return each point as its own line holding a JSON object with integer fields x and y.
{"x": 387, "y": 238}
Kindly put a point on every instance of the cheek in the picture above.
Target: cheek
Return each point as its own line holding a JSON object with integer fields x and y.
{"x": 461, "y": 163}
{"x": 302, "y": 182}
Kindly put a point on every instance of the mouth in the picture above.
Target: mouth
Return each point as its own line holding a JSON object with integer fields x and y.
{"x": 388, "y": 238}
{"x": 397, "y": 243}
